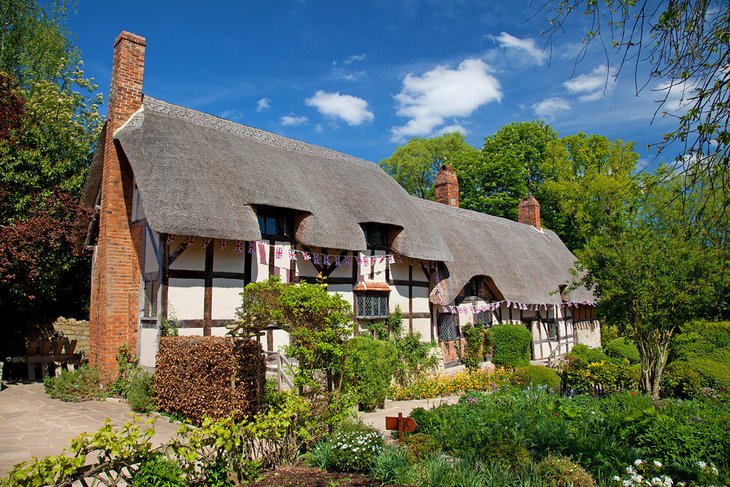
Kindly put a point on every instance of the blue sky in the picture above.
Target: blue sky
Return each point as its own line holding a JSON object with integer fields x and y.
{"x": 363, "y": 77}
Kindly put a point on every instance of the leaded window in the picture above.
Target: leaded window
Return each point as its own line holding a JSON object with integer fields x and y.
{"x": 274, "y": 223}
{"x": 448, "y": 325}
{"x": 376, "y": 235}
{"x": 371, "y": 305}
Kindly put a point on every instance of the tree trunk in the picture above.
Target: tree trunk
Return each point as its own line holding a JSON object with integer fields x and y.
{"x": 653, "y": 357}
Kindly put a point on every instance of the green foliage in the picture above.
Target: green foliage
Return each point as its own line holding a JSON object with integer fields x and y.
{"x": 649, "y": 283}
{"x": 507, "y": 453}
{"x": 681, "y": 380}
{"x": 420, "y": 446}
{"x": 563, "y": 472}
{"x": 111, "y": 452}
{"x": 622, "y": 348}
{"x": 353, "y": 448}
{"x": 511, "y": 345}
{"x": 414, "y": 164}
{"x": 80, "y": 384}
{"x": 601, "y": 434}
{"x": 374, "y": 361}
{"x": 45, "y": 144}
{"x": 582, "y": 355}
{"x": 158, "y": 472}
{"x": 507, "y": 170}
{"x": 392, "y": 466}
{"x": 599, "y": 377}
{"x": 474, "y": 336}
{"x": 535, "y": 375}
{"x": 141, "y": 392}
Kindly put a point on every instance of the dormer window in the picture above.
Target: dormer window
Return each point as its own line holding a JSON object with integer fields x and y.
{"x": 376, "y": 235}
{"x": 275, "y": 223}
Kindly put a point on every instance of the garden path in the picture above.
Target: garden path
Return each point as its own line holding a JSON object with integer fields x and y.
{"x": 376, "y": 419}
{"x": 33, "y": 424}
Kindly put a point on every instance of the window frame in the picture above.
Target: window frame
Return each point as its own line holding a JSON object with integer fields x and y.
{"x": 383, "y": 295}
{"x": 369, "y": 229}
{"x": 284, "y": 221}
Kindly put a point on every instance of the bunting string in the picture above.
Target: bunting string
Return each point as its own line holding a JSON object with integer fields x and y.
{"x": 483, "y": 308}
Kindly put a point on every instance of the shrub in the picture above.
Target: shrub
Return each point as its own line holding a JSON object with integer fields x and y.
{"x": 622, "y": 348}
{"x": 373, "y": 361}
{"x": 563, "y": 472}
{"x": 681, "y": 379}
{"x": 353, "y": 448}
{"x": 81, "y": 384}
{"x": 420, "y": 446}
{"x": 507, "y": 453}
{"x": 511, "y": 345}
{"x": 581, "y": 355}
{"x": 141, "y": 392}
{"x": 447, "y": 385}
{"x": 536, "y": 375}
{"x": 209, "y": 376}
{"x": 158, "y": 472}
{"x": 474, "y": 336}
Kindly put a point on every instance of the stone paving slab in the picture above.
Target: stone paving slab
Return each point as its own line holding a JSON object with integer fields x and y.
{"x": 33, "y": 424}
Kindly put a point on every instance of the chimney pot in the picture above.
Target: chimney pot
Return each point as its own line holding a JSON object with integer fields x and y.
{"x": 528, "y": 212}
{"x": 446, "y": 186}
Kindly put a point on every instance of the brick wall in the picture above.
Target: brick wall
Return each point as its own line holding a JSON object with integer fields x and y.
{"x": 116, "y": 276}
{"x": 446, "y": 186}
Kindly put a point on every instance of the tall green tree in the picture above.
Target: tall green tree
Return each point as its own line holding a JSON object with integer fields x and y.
{"x": 588, "y": 187}
{"x": 414, "y": 164}
{"x": 681, "y": 47}
{"x": 45, "y": 150}
{"x": 663, "y": 269}
{"x": 508, "y": 169}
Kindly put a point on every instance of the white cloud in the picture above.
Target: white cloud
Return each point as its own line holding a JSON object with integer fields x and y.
{"x": 528, "y": 45}
{"x": 351, "y": 109}
{"x": 677, "y": 96}
{"x": 232, "y": 115}
{"x": 354, "y": 58}
{"x": 292, "y": 121}
{"x": 428, "y": 100}
{"x": 343, "y": 74}
{"x": 263, "y": 104}
{"x": 453, "y": 128}
{"x": 592, "y": 86}
{"x": 318, "y": 128}
{"x": 549, "y": 108}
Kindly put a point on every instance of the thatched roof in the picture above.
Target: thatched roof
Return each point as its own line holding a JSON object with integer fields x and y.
{"x": 201, "y": 175}
{"x": 527, "y": 266}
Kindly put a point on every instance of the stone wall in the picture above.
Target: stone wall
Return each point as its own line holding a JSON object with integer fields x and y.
{"x": 74, "y": 330}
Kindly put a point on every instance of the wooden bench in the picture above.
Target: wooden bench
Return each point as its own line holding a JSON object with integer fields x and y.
{"x": 60, "y": 354}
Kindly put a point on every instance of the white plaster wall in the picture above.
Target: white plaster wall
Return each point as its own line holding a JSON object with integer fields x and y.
{"x": 190, "y": 332}
{"x": 192, "y": 259}
{"x": 344, "y": 271}
{"x": 305, "y": 267}
{"x": 399, "y": 297}
{"x": 399, "y": 271}
{"x": 422, "y": 326}
{"x": 281, "y": 339}
{"x": 185, "y": 298}
{"x": 218, "y": 331}
{"x": 420, "y": 300}
{"x": 226, "y": 298}
{"x": 227, "y": 260}
{"x": 147, "y": 347}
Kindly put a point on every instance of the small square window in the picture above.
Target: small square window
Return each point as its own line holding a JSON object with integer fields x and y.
{"x": 553, "y": 329}
{"x": 371, "y": 305}
{"x": 274, "y": 223}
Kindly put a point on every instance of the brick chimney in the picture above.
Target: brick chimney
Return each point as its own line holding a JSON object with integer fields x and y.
{"x": 528, "y": 212}
{"x": 115, "y": 286}
{"x": 446, "y": 185}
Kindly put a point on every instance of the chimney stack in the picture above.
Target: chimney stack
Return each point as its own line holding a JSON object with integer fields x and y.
{"x": 528, "y": 212}
{"x": 446, "y": 185}
{"x": 115, "y": 281}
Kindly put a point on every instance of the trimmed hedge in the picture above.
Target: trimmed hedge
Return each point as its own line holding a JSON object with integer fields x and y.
{"x": 536, "y": 375}
{"x": 622, "y": 347}
{"x": 511, "y": 345}
{"x": 209, "y": 376}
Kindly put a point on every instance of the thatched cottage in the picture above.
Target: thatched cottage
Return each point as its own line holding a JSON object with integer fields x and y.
{"x": 189, "y": 208}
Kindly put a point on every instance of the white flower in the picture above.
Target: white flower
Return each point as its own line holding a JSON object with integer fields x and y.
{"x": 627, "y": 483}
{"x": 616, "y": 478}
{"x": 668, "y": 482}
{"x": 702, "y": 464}
{"x": 656, "y": 481}
{"x": 630, "y": 470}
{"x": 638, "y": 462}
{"x": 658, "y": 463}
